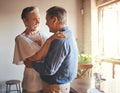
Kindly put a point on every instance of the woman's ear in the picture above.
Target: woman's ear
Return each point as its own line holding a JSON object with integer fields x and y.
{"x": 25, "y": 22}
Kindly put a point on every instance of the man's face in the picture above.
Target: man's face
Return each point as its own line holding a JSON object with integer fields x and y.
{"x": 33, "y": 20}
{"x": 51, "y": 23}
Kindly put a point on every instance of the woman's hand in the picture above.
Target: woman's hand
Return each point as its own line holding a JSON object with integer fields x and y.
{"x": 58, "y": 35}
{"x": 28, "y": 63}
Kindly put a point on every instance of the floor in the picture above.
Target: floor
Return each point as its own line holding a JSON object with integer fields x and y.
{"x": 94, "y": 90}
{"x": 83, "y": 86}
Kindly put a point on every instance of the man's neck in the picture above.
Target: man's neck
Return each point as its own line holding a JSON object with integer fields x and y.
{"x": 61, "y": 27}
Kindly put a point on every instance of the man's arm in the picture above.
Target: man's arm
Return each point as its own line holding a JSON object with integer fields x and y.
{"x": 54, "y": 59}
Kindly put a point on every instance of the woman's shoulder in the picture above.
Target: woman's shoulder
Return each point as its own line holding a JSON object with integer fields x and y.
{"x": 43, "y": 34}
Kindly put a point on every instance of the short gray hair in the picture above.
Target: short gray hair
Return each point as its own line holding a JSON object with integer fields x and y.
{"x": 59, "y": 12}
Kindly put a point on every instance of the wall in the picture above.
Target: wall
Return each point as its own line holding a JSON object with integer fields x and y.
{"x": 84, "y": 27}
{"x": 12, "y": 25}
{"x": 90, "y": 27}
{"x": 87, "y": 26}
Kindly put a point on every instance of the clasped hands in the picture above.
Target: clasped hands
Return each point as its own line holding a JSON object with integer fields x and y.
{"x": 28, "y": 63}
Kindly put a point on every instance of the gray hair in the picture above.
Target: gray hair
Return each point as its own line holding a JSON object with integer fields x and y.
{"x": 59, "y": 12}
{"x": 26, "y": 11}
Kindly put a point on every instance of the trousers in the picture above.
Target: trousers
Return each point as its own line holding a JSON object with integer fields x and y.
{"x": 25, "y": 91}
{"x": 56, "y": 88}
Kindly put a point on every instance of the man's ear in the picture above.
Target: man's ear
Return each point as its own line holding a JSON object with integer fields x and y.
{"x": 55, "y": 20}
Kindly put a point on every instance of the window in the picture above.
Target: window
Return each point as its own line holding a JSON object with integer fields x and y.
{"x": 109, "y": 30}
{"x": 109, "y": 38}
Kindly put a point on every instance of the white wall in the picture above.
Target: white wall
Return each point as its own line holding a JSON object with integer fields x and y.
{"x": 11, "y": 25}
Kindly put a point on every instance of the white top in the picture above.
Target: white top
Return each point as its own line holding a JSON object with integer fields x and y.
{"x": 24, "y": 48}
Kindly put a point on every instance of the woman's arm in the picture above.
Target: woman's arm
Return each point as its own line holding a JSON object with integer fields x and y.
{"x": 43, "y": 51}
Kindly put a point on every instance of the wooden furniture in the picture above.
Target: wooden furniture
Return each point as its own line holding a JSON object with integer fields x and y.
{"x": 9, "y": 84}
{"x": 84, "y": 71}
{"x": 113, "y": 62}
{"x": 0, "y": 88}
{"x": 82, "y": 83}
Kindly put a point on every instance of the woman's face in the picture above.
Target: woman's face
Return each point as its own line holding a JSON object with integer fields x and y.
{"x": 33, "y": 20}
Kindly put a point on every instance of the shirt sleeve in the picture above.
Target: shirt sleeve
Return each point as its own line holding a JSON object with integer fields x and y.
{"x": 54, "y": 59}
{"x": 24, "y": 48}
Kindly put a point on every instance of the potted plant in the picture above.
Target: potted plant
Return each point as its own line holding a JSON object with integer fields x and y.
{"x": 84, "y": 66}
{"x": 84, "y": 59}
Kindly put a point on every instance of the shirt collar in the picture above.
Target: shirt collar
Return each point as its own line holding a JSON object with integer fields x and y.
{"x": 64, "y": 29}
